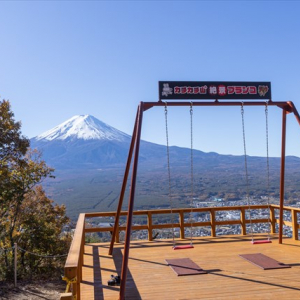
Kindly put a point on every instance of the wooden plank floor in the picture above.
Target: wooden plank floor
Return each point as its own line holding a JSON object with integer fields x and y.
{"x": 229, "y": 276}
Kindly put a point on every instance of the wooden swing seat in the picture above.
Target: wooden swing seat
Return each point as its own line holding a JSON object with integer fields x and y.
{"x": 183, "y": 247}
{"x": 261, "y": 242}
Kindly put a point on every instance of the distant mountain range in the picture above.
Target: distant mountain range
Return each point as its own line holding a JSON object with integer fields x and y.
{"x": 83, "y": 147}
{"x": 84, "y": 142}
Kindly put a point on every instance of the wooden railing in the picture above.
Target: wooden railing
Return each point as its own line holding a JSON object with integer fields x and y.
{"x": 74, "y": 261}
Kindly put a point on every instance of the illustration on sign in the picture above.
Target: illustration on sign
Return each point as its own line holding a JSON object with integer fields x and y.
{"x": 166, "y": 90}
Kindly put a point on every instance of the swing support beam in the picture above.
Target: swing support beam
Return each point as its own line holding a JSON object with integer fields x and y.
{"x": 286, "y": 106}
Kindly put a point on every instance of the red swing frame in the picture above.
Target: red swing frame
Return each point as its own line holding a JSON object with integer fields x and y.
{"x": 286, "y": 106}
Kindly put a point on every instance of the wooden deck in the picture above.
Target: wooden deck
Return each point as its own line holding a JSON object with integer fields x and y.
{"x": 229, "y": 276}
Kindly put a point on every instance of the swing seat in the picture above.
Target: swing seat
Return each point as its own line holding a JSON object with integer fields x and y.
{"x": 183, "y": 247}
{"x": 261, "y": 242}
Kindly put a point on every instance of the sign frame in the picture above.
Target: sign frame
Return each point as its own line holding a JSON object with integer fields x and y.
{"x": 214, "y": 90}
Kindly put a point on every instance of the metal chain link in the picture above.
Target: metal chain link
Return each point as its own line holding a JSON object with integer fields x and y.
{"x": 268, "y": 167}
{"x": 169, "y": 171}
{"x": 246, "y": 168}
{"x": 192, "y": 172}
{"x": 40, "y": 255}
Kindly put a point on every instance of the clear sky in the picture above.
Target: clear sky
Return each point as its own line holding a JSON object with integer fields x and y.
{"x": 63, "y": 58}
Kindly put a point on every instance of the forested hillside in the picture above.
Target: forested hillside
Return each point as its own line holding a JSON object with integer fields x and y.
{"x": 31, "y": 224}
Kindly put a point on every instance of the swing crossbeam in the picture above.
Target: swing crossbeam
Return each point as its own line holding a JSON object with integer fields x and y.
{"x": 287, "y": 106}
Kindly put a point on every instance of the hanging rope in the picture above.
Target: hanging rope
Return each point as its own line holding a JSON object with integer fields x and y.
{"x": 69, "y": 282}
{"x": 246, "y": 169}
{"x": 169, "y": 172}
{"x": 192, "y": 173}
{"x": 268, "y": 167}
{"x": 41, "y": 255}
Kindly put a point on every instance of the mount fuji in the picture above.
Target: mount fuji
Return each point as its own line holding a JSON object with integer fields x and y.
{"x": 83, "y": 127}
{"x": 84, "y": 142}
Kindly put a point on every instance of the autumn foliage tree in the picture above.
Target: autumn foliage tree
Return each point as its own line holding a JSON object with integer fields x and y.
{"x": 27, "y": 216}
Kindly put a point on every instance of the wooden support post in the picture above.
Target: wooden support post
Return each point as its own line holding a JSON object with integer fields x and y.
{"x": 71, "y": 273}
{"x": 273, "y": 220}
{"x": 295, "y": 224}
{"x": 213, "y": 222}
{"x": 243, "y": 221}
{"x": 181, "y": 224}
{"x": 131, "y": 204}
{"x": 282, "y": 173}
{"x": 117, "y": 239}
{"x": 150, "y": 235}
{"x": 81, "y": 262}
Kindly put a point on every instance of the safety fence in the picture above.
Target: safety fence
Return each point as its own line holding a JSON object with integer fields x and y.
{"x": 74, "y": 262}
{"x": 15, "y": 250}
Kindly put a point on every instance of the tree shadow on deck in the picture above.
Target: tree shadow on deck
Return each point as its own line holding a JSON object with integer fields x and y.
{"x": 196, "y": 241}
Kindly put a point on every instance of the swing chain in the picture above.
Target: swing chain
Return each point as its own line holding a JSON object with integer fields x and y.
{"x": 246, "y": 168}
{"x": 169, "y": 171}
{"x": 192, "y": 172}
{"x": 267, "y": 146}
{"x": 268, "y": 166}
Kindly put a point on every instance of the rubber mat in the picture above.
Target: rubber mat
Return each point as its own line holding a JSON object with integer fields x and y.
{"x": 263, "y": 261}
{"x": 184, "y": 266}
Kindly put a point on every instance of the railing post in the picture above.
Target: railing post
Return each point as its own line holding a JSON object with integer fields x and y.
{"x": 273, "y": 220}
{"x": 295, "y": 224}
{"x": 81, "y": 262}
{"x": 243, "y": 221}
{"x": 213, "y": 222}
{"x": 117, "y": 236}
{"x": 181, "y": 223}
{"x": 150, "y": 235}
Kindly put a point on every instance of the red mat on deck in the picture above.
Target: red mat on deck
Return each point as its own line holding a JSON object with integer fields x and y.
{"x": 263, "y": 261}
{"x": 184, "y": 266}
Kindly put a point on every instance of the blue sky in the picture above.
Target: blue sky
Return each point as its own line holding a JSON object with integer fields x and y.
{"x": 59, "y": 59}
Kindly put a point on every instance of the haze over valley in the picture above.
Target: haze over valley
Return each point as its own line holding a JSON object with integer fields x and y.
{"x": 89, "y": 158}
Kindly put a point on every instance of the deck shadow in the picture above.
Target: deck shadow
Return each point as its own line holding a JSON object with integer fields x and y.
{"x": 255, "y": 281}
{"x": 196, "y": 241}
{"x": 131, "y": 288}
{"x": 98, "y": 290}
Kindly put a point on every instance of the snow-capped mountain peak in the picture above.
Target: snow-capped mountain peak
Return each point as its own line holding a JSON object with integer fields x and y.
{"x": 84, "y": 127}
